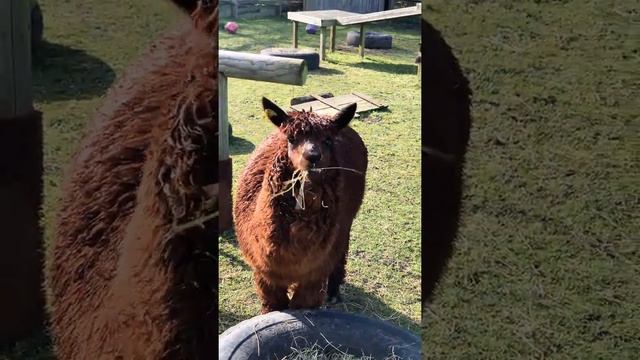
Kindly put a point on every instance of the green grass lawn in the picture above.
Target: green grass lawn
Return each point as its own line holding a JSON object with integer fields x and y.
{"x": 547, "y": 261}
{"x": 384, "y": 263}
{"x": 91, "y": 42}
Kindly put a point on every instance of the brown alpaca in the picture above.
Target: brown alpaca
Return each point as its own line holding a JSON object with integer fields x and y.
{"x": 445, "y": 134}
{"x": 300, "y": 242}
{"x": 130, "y": 273}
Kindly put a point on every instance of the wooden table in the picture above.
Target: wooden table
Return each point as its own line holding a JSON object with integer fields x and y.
{"x": 332, "y": 18}
{"x": 322, "y": 19}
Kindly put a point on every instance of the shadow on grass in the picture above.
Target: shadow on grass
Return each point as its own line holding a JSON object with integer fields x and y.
{"x": 326, "y": 72}
{"x": 239, "y": 146}
{"x": 356, "y": 300}
{"x": 228, "y": 319}
{"x": 64, "y": 73}
{"x": 248, "y": 48}
{"x": 387, "y": 67}
{"x": 229, "y": 237}
{"x": 36, "y": 347}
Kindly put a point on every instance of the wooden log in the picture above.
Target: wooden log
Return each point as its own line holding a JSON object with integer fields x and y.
{"x": 262, "y": 68}
{"x": 22, "y": 302}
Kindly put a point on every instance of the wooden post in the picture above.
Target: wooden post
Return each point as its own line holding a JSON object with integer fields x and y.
{"x": 295, "y": 35}
{"x": 223, "y": 114}
{"x": 323, "y": 50}
{"x": 332, "y": 37}
{"x": 225, "y": 169}
{"x": 233, "y": 64}
{"x": 234, "y": 9}
{"x": 362, "y": 36}
{"x": 22, "y": 301}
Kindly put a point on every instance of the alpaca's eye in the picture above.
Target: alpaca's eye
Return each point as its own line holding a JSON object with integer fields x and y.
{"x": 290, "y": 139}
{"x": 328, "y": 142}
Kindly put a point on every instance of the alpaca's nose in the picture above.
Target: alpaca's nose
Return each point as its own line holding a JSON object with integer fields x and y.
{"x": 312, "y": 154}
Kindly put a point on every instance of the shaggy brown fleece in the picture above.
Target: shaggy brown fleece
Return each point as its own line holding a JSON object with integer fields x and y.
{"x": 130, "y": 274}
{"x": 445, "y": 134}
{"x": 289, "y": 248}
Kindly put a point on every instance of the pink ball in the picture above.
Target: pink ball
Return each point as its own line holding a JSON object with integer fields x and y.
{"x": 231, "y": 27}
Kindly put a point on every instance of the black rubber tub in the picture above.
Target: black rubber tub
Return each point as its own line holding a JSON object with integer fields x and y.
{"x": 372, "y": 40}
{"x": 311, "y": 57}
{"x": 275, "y": 335}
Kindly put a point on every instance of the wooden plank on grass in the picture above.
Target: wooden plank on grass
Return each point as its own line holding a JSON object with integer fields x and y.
{"x": 325, "y": 101}
{"x": 370, "y": 99}
{"x": 331, "y": 106}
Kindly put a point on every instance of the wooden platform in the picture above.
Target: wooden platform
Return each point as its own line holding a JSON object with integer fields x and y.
{"x": 353, "y": 19}
{"x": 332, "y": 18}
{"x": 331, "y": 106}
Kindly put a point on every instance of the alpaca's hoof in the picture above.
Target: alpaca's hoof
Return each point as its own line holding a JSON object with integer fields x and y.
{"x": 333, "y": 300}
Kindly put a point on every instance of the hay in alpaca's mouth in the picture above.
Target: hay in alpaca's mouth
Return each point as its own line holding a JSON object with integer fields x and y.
{"x": 300, "y": 177}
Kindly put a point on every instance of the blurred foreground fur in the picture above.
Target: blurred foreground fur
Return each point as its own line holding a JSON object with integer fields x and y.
{"x": 131, "y": 273}
{"x": 445, "y": 134}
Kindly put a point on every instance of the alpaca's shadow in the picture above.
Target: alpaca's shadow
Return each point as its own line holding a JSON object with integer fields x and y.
{"x": 356, "y": 300}
{"x": 64, "y": 73}
{"x": 239, "y": 146}
{"x": 231, "y": 256}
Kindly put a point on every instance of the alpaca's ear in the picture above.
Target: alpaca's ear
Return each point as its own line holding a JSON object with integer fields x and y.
{"x": 345, "y": 115}
{"x": 273, "y": 112}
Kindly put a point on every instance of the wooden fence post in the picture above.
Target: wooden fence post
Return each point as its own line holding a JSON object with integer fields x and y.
{"x": 233, "y": 64}
{"x": 22, "y": 300}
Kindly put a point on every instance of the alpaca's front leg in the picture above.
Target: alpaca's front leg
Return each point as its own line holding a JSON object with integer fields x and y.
{"x": 308, "y": 295}
{"x": 336, "y": 279}
{"x": 273, "y": 297}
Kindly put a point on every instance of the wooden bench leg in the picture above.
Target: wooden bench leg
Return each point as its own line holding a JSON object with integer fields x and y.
{"x": 332, "y": 37}
{"x": 323, "y": 50}
{"x": 362, "y": 40}
{"x": 295, "y": 34}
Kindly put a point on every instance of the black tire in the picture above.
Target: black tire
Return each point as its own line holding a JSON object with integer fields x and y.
{"x": 311, "y": 57}
{"x": 273, "y": 335}
{"x": 372, "y": 40}
{"x": 37, "y": 26}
